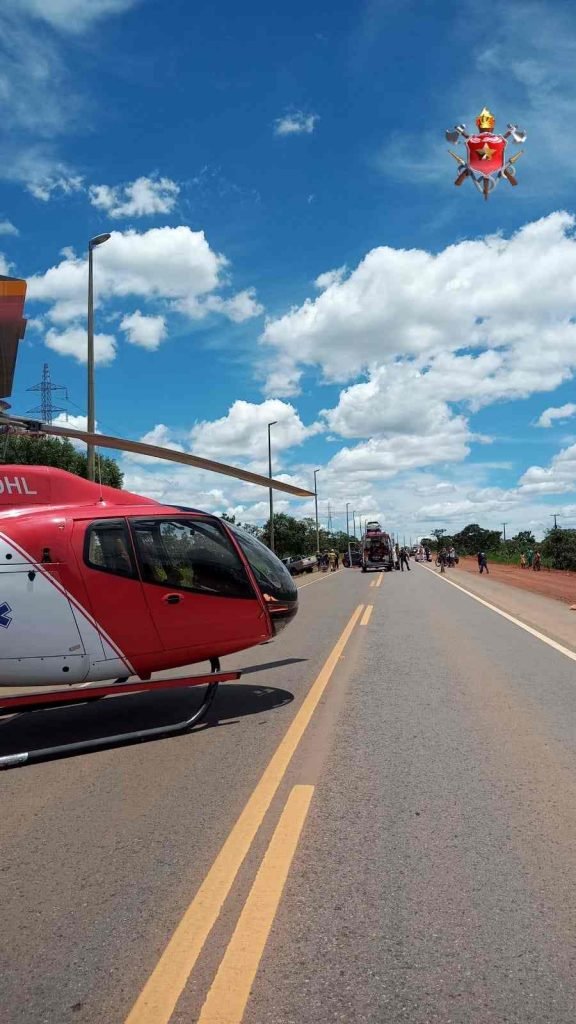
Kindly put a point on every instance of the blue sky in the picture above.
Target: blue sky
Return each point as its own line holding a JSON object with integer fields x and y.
{"x": 287, "y": 244}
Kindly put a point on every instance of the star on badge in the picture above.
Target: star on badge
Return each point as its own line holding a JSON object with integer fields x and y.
{"x": 486, "y": 153}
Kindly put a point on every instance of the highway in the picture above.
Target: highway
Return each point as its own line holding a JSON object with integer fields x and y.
{"x": 377, "y": 824}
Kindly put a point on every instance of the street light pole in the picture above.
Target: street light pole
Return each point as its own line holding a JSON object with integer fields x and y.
{"x": 270, "y": 491}
{"x": 348, "y": 534}
{"x": 98, "y": 240}
{"x": 354, "y": 523}
{"x": 316, "y": 471}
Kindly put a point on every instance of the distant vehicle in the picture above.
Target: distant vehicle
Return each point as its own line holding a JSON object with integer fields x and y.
{"x": 300, "y": 564}
{"x": 356, "y": 558}
{"x": 377, "y": 549}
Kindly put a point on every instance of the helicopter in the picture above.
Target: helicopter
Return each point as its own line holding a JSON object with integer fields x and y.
{"x": 101, "y": 588}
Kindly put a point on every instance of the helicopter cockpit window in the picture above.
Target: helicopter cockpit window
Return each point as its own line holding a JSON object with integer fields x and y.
{"x": 189, "y": 554}
{"x": 107, "y": 547}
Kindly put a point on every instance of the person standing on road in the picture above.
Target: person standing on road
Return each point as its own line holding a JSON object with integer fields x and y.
{"x": 522, "y": 561}
{"x": 442, "y": 559}
{"x": 332, "y": 560}
{"x": 530, "y": 557}
{"x": 483, "y": 562}
{"x": 537, "y": 562}
{"x": 404, "y": 559}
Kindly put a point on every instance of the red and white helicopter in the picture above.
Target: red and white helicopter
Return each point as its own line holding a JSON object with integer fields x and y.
{"x": 98, "y": 584}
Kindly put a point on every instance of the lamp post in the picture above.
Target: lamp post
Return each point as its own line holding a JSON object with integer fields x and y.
{"x": 316, "y": 471}
{"x": 98, "y": 240}
{"x": 354, "y": 523}
{"x": 348, "y": 534}
{"x": 270, "y": 491}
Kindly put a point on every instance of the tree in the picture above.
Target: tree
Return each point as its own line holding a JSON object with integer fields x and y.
{"x": 255, "y": 531}
{"x": 522, "y": 541}
{"x": 474, "y": 538}
{"x": 560, "y": 547}
{"x": 32, "y": 450}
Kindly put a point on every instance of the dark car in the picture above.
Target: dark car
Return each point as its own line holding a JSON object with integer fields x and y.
{"x": 356, "y": 559}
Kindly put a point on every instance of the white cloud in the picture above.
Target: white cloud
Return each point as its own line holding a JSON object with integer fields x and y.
{"x": 72, "y": 342}
{"x": 7, "y": 228}
{"x": 330, "y": 277}
{"x": 58, "y": 183}
{"x": 380, "y": 458}
{"x": 296, "y": 123}
{"x": 243, "y": 431}
{"x": 557, "y": 478}
{"x": 480, "y": 321}
{"x": 145, "y": 331}
{"x": 162, "y": 263}
{"x": 75, "y": 422}
{"x": 71, "y": 16}
{"x": 562, "y": 412}
{"x": 5, "y": 266}
{"x": 40, "y": 101}
{"x": 240, "y": 307}
{"x": 140, "y": 198}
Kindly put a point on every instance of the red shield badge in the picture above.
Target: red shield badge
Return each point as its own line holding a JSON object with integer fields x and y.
{"x": 486, "y": 153}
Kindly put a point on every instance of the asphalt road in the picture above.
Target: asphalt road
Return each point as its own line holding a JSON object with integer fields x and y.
{"x": 410, "y": 772}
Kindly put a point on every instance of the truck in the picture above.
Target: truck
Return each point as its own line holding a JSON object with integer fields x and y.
{"x": 377, "y": 549}
{"x": 300, "y": 564}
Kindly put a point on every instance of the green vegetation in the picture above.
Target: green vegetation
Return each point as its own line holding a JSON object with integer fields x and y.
{"x": 558, "y": 549}
{"x": 32, "y": 450}
{"x": 296, "y": 536}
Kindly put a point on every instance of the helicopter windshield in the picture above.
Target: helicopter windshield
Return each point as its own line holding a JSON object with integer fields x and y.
{"x": 275, "y": 582}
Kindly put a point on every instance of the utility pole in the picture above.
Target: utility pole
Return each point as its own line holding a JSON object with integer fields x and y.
{"x": 504, "y": 525}
{"x": 270, "y": 490}
{"x": 554, "y": 516}
{"x": 354, "y": 523}
{"x": 316, "y": 471}
{"x": 348, "y": 534}
{"x": 98, "y": 240}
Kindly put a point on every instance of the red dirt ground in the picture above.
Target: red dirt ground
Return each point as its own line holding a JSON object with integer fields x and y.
{"x": 553, "y": 583}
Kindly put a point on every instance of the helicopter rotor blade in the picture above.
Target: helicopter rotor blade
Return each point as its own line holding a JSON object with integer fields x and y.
{"x": 168, "y": 454}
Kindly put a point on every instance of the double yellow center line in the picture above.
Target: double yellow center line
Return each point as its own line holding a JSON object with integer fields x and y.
{"x": 158, "y": 999}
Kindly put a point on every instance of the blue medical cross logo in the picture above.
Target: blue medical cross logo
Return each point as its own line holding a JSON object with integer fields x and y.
{"x": 5, "y": 616}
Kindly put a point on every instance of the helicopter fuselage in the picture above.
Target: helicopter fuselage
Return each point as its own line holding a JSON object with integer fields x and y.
{"x": 116, "y": 585}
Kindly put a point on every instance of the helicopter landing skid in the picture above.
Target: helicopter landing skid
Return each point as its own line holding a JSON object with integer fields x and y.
{"x": 65, "y": 698}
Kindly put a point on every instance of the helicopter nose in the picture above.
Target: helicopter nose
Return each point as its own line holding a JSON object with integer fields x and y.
{"x": 281, "y": 611}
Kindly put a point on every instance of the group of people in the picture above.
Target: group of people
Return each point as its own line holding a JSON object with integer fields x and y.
{"x": 447, "y": 557}
{"x": 328, "y": 560}
{"x": 531, "y": 560}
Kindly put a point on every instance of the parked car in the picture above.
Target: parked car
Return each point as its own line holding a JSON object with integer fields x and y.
{"x": 356, "y": 558}
{"x": 300, "y": 564}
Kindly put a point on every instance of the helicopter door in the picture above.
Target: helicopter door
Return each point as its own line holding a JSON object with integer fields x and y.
{"x": 196, "y": 586}
{"x": 115, "y": 592}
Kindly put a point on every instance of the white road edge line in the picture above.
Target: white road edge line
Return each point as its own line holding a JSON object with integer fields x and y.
{"x": 511, "y": 618}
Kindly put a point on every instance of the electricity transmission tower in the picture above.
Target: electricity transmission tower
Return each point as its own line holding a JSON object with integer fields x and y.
{"x": 47, "y": 409}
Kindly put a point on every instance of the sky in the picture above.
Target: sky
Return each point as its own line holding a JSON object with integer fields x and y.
{"x": 287, "y": 245}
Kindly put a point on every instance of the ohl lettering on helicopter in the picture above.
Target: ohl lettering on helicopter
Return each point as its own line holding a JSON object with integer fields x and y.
{"x": 15, "y": 485}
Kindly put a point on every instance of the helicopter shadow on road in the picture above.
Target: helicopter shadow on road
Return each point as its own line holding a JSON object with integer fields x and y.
{"x": 114, "y": 715}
